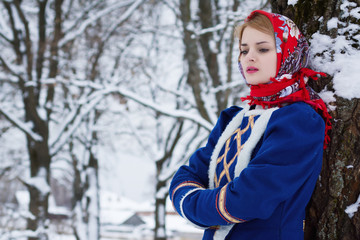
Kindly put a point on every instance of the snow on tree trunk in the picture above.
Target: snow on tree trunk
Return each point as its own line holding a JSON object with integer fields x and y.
{"x": 79, "y": 226}
{"x": 86, "y": 203}
{"x": 333, "y": 28}
{"x": 92, "y": 200}
{"x": 86, "y": 210}
{"x": 160, "y": 210}
{"x": 39, "y": 190}
{"x": 27, "y": 67}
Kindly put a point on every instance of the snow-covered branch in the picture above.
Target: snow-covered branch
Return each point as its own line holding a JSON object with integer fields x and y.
{"x": 74, "y": 120}
{"x": 70, "y": 36}
{"x": 21, "y": 125}
{"x": 166, "y": 111}
{"x": 123, "y": 18}
{"x": 216, "y": 28}
{"x": 227, "y": 86}
{"x": 147, "y": 103}
{"x": 9, "y": 68}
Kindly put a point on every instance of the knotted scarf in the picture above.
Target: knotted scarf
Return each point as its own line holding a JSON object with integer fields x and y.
{"x": 290, "y": 83}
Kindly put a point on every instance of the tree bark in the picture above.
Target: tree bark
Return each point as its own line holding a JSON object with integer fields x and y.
{"x": 86, "y": 202}
{"x": 194, "y": 78}
{"x": 338, "y": 185}
{"x": 160, "y": 210}
{"x": 161, "y": 184}
{"x": 38, "y": 150}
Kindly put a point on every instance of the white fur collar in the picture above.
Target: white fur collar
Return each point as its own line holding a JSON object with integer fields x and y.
{"x": 245, "y": 154}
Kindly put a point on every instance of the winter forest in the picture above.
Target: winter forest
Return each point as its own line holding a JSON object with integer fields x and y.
{"x": 101, "y": 101}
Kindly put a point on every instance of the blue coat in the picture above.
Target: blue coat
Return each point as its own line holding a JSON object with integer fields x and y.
{"x": 255, "y": 182}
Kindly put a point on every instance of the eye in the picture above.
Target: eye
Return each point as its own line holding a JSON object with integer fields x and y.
{"x": 243, "y": 52}
{"x": 263, "y": 50}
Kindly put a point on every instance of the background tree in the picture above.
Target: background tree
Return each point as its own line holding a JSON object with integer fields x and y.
{"x": 27, "y": 67}
{"x": 335, "y": 21}
{"x": 46, "y": 74}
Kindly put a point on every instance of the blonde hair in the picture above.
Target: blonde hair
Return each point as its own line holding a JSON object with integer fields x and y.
{"x": 258, "y": 21}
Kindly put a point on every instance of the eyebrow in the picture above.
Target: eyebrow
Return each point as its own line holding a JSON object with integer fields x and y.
{"x": 258, "y": 43}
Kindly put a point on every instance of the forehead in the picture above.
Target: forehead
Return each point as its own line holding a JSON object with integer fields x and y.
{"x": 251, "y": 35}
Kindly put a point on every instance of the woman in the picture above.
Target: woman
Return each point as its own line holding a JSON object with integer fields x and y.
{"x": 256, "y": 174}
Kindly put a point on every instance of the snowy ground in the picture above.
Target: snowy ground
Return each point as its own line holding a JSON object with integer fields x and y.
{"x": 115, "y": 210}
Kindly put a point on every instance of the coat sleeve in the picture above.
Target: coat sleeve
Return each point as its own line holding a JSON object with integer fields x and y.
{"x": 194, "y": 176}
{"x": 290, "y": 154}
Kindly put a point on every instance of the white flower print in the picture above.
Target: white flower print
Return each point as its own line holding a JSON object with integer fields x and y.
{"x": 294, "y": 30}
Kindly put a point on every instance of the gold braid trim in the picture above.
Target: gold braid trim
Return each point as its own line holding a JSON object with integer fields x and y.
{"x": 222, "y": 207}
{"x": 186, "y": 184}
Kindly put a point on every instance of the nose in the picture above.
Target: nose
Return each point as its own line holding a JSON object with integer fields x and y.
{"x": 250, "y": 56}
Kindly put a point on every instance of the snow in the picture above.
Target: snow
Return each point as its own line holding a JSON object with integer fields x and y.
{"x": 25, "y": 127}
{"x": 39, "y": 182}
{"x": 116, "y": 209}
{"x": 344, "y": 7}
{"x": 355, "y": 12}
{"x": 332, "y": 23}
{"x": 161, "y": 193}
{"x": 93, "y": 208}
{"x": 328, "y": 97}
{"x": 353, "y": 208}
{"x": 292, "y": 2}
{"x": 347, "y": 81}
{"x": 161, "y": 213}
{"x": 344, "y": 66}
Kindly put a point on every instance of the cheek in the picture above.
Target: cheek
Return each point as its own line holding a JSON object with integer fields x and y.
{"x": 273, "y": 65}
{"x": 241, "y": 69}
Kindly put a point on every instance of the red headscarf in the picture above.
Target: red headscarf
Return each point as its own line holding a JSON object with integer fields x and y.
{"x": 290, "y": 82}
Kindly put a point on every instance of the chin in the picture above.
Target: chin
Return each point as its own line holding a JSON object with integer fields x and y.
{"x": 253, "y": 82}
{"x": 257, "y": 81}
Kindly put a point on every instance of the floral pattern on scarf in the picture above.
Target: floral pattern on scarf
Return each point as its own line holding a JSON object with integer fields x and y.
{"x": 290, "y": 82}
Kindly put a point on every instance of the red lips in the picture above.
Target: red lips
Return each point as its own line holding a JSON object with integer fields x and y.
{"x": 251, "y": 69}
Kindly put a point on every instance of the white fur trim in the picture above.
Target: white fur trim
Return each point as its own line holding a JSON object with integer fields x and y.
{"x": 222, "y": 232}
{"x": 182, "y": 210}
{"x": 256, "y": 133}
{"x": 254, "y": 112}
{"x": 245, "y": 154}
{"x": 229, "y": 130}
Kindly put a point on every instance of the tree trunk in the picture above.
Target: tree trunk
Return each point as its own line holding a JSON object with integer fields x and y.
{"x": 39, "y": 188}
{"x": 86, "y": 203}
{"x": 38, "y": 149}
{"x": 92, "y": 198}
{"x": 338, "y": 186}
{"x": 160, "y": 210}
{"x": 195, "y": 75}
{"x": 30, "y": 55}
{"x": 79, "y": 225}
{"x": 161, "y": 184}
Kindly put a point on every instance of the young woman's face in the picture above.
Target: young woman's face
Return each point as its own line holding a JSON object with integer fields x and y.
{"x": 257, "y": 56}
